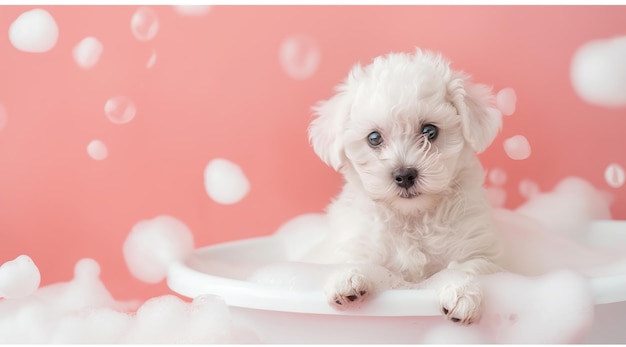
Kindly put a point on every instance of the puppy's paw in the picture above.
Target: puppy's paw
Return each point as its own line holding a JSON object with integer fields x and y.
{"x": 461, "y": 301}
{"x": 347, "y": 289}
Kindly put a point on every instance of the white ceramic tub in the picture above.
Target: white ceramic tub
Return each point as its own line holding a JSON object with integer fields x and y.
{"x": 280, "y": 314}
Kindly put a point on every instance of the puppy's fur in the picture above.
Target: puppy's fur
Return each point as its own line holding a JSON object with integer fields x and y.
{"x": 441, "y": 223}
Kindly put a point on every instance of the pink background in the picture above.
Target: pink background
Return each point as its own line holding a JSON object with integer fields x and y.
{"x": 218, "y": 89}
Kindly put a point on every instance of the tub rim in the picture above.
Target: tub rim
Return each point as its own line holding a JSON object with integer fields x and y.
{"x": 191, "y": 283}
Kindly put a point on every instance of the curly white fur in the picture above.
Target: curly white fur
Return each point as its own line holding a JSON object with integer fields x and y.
{"x": 439, "y": 225}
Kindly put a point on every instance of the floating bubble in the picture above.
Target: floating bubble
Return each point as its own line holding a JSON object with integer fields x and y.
{"x": 153, "y": 244}
{"x": 225, "y": 182}
{"x": 517, "y": 147}
{"x": 144, "y": 24}
{"x": 496, "y": 196}
{"x": 192, "y": 10}
{"x": 4, "y": 117}
{"x": 614, "y": 175}
{"x": 497, "y": 176}
{"x": 97, "y": 150}
{"x": 299, "y": 56}
{"x": 34, "y": 31}
{"x": 528, "y": 188}
{"x": 598, "y": 72}
{"x": 120, "y": 109}
{"x": 87, "y": 52}
{"x": 19, "y": 278}
{"x": 151, "y": 60}
{"x": 506, "y": 99}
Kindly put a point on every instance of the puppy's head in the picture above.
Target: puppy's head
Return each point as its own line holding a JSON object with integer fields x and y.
{"x": 402, "y": 127}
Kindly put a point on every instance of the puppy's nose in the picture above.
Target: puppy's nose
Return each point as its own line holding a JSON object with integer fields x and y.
{"x": 405, "y": 176}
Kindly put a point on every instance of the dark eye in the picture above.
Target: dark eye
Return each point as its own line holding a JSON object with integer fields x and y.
{"x": 430, "y": 131}
{"x": 375, "y": 139}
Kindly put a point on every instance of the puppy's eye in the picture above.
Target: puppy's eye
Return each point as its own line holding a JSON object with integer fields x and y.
{"x": 430, "y": 131}
{"x": 375, "y": 139}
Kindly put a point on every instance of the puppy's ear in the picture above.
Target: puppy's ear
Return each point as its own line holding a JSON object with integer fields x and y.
{"x": 473, "y": 102}
{"x": 326, "y": 129}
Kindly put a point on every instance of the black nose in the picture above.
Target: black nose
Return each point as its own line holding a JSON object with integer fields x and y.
{"x": 405, "y": 176}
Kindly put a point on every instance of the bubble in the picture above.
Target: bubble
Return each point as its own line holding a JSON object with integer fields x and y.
{"x": 206, "y": 319}
{"x": 4, "y": 117}
{"x": 517, "y": 147}
{"x": 496, "y": 196}
{"x": 144, "y": 24}
{"x": 299, "y": 56}
{"x": 225, "y": 182}
{"x": 160, "y": 320}
{"x": 92, "y": 326}
{"x": 192, "y": 10}
{"x": 497, "y": 176}
{"x": 528, "y": 188}
{"x": 87, "y": 52}
{"x": 19, "y": 278}
{"x": 568, "y": 208}
{"x": 97, "y": 150}
{"x": 151, "y": 60}
{"x": 153, "y": 244}
{"x": 598, "y": 72}
{"x": 614, "y": 175}
{"x": 82, "y": 311}
{"x": 34, "y": 31}
{"x": 506, "y": 99}
{"x": 86, "y": 268}
{"x": 84, "y": 291}
{"x": 120, "y": 109}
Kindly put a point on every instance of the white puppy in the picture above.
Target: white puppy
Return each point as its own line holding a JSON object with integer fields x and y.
{"x": 404, "y": 132}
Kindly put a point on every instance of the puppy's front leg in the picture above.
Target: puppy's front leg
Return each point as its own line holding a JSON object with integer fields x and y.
{"x": 350, "y": 285}
{"x": 459, "y": 289}
{"x": 347, "y": 288}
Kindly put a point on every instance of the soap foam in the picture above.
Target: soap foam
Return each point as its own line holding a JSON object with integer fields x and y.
{"x": 19, "y": 277}
{"x": 152, "y": 245}
{"x": 83, "y": 311}
{"x": 547, "y": 301}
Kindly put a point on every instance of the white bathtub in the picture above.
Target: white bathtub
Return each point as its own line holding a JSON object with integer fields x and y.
{"x": 281, "y": 315}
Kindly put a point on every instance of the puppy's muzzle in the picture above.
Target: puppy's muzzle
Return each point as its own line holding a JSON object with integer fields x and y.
{"x": 405, "y": 177}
